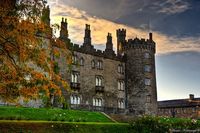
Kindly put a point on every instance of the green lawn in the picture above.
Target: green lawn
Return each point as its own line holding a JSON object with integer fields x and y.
{"x": 44, "y": 114}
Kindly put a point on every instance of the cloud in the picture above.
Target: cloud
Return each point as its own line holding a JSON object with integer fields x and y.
{"x": 100, "y": 27}
{"x": 172, "y": 6}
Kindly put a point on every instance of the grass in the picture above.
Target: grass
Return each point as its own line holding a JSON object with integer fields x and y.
{"x": 44, "y": 114}
{"x": 62, "y": 127}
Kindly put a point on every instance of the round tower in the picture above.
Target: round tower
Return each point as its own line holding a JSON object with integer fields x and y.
{"x": 141, "y": 94}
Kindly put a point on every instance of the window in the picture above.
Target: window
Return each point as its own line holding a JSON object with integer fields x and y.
{"x": 147, "y": 68}
{"x": 120, "y": 85}
{"x": 147, "y": 81}
{"x": 148, "y": 99}
{"x": 93, "y": 64}
{"x": 97, "y": 102}
{"x": 74, "y": 59}
{"x": 99, "y": 64}
{"x": 146, "y": 55}
{"x": 74, "y": 99}
{"x": 98, "y": 81}
{"x": 82, "y": 62}
{"x": 74, "y": 77}
{"x": 120, "y": 68}
{"x": 121, "y": 104}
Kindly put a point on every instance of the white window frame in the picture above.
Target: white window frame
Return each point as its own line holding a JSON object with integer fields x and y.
{"x": 121, "y": 104}
{"x": 74, "y": 77}
{"x": 98, "y": 81}
{"x": 75, "y": 99}
{"x": 74, "y": 59}
{"x": 97, "y": 102}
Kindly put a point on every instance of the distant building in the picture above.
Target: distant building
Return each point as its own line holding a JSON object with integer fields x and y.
{"x": 184, "y": 108}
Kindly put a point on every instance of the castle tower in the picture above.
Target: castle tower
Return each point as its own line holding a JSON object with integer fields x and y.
{"x": 121, "y": 42}
{"x": 46, "y": 15}
{"x": 87, "y": 37}
{"x": 109, "y": 45}
{"x": 64, "y": 29}
{"x": 141, "y": 94}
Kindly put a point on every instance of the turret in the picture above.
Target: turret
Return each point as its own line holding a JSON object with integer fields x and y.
{"x": 141, "y": 76}
{"x": 64, "y": 29}
{"x": 121, "y": 41}
{"x": 87, "y": 37}
{"x": 46, "y": 15}
{"x": 109, "y": 45}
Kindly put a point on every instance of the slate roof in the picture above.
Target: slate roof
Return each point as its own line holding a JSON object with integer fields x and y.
{"x": 179, "y": 103}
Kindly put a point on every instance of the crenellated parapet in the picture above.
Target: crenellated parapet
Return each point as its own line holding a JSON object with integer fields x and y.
{"x": 137, "y": 43}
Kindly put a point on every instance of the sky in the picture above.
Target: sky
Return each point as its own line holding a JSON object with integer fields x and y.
{"x": 175, "y": 25}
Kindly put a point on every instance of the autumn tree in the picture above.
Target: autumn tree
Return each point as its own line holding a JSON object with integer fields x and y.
{"x": 26, "y": 40}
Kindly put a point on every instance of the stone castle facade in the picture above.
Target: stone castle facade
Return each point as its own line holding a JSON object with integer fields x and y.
{"x": 121, "y": 83}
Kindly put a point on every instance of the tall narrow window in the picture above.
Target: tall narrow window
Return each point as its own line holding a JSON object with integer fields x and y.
{"x": 82, "y": 62}
{"x": 98, "y": 81}
{"x": 99, "y": 64}
{"x": 74, "y": 77}
{"x": 93, "y": 64}
{"x": 74, "y": 59}
{"x": 120, "y": 85}
{"x": 148, "y": 98}
{"x": 120, "y": 69}
{"x": 121, "y": 104}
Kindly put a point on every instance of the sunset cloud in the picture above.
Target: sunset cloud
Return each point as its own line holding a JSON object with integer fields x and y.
{"x": 100, "y": 27}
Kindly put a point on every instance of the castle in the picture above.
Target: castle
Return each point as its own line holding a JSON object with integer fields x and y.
{"x": 122, "y": 83}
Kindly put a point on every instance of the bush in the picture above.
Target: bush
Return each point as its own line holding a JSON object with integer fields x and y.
{"x": 149, "y": 124}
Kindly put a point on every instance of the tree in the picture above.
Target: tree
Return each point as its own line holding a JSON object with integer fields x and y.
{"x": 26, "y": 42}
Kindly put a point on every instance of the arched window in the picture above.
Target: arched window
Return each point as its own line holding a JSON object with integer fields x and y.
{"x": 93, "y": 64}
{"x": 97, "y": 102}
{"x": 120, "y": 68}
{"x": 98, "y": 81}
{"x": 121, "y": 103}
{"x": 82, "y": 62}
{"x": 120, "y": 85}
{"x": 74, "y": 77}
{"x": 99, "y": 64}
{"x": 74, "y": 99}
{"x": 74, "y": 59}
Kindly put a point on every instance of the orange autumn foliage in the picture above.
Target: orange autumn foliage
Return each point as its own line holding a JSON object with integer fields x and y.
{"x": 26, "y": 67}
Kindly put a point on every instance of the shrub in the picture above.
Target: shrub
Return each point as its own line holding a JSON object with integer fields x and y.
{"x": 149, "y": 124}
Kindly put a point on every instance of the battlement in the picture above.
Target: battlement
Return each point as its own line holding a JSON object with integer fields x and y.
{"x": 121, "y": 32}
